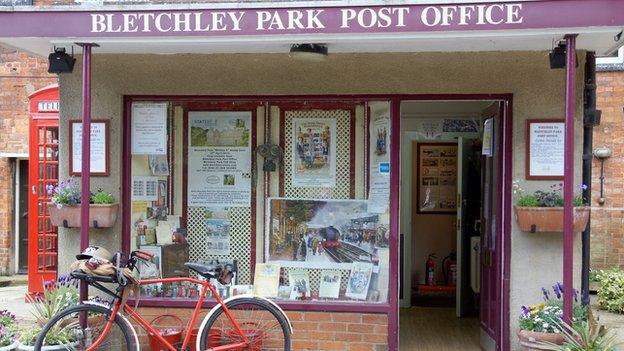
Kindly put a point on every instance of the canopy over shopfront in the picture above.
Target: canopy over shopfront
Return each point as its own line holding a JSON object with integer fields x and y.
{"x": 345, "y": 27}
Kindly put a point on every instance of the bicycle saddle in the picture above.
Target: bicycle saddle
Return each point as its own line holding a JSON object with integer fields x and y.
{"x": 205, "y": 270}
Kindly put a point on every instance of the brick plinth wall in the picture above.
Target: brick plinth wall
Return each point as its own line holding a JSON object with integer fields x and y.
{"x": 20, "y": 75}
{"x": 607, "y": 221}
{"x": 312, "y": 330}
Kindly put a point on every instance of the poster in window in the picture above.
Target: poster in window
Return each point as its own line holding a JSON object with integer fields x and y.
{"x": 149, "y": 128}
{"x": 219, "y": 158}
{"x": 266, "y": 279}
{"x": 379, "y": 189}
{"x": 545, "y": 149}
{"x": 314, "y": 152}
{"x": 98, "y": 147}
{"x": 326, "y": 234}
{"x": 437, "y": 178}
{"x": 359, "y": 280}
{"x": 330, "y": 284}
{"x": 218, "y": 237}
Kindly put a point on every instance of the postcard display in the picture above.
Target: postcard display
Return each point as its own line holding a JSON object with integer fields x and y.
{"x": 329, "y": 240}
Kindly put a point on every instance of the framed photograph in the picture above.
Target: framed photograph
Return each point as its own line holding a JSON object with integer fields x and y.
{"x": 99, "y": 160}
{"x": 436, "y": 176}
{"x": 544, "y": 154}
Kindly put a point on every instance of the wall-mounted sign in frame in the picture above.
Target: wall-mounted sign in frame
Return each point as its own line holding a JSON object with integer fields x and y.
{"x": 100, "y": 144}
{"x": 544, "y": 149}
{"x": 437, "y": 178}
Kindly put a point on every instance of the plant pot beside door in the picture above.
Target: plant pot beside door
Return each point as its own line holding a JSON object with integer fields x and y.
{"x": 531, "y": 340}
{"x": 549, "y": 219}
{"x": 100, "y": 215}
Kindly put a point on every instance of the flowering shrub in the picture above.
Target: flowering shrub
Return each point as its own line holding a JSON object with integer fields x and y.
{"x": 68, "y": 193}
{"x": 551, "y": 198}
{"x": 8, "y": 327}
{"x": 611, "y": 291}
{"x": 65, "y": 193}
{"x": 57, "y": 296}
{"x": 547, "y": 317}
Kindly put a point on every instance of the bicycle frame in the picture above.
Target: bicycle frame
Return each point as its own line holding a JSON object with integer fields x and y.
{"x": 187, "y": 337}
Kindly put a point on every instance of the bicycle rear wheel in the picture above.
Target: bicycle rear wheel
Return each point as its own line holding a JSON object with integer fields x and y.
{"x": 265, "y": 326}
{"x": 77, "y": 327}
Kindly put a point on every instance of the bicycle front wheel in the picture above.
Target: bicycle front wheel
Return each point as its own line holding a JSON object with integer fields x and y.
{"x": 264, "y": 325}
{"x": 78, "y": 327}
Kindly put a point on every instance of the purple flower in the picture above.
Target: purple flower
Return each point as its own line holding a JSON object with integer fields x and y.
{"x": 584, "y": 186}
{"x": 546, "y": 295}
{"x": 526, "y": 313}
{"x": 557, "y": 290}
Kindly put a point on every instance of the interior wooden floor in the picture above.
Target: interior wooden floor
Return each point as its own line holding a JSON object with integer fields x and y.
{"x": 437, "y": 328}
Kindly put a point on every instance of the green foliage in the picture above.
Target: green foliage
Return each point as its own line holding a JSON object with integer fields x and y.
{"x": 611, "y": 291}
{"x": 54, "y": 299}
{"x": 528, "y": 201}
{"x": 101, "y": 197}
{"x": 546, "y": 317}
{"x": 584, "y": 336}
{"x": 55, "y": 336}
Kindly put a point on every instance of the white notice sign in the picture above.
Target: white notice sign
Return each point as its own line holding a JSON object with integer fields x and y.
{"x": 546, "y": 149}
{"x": 97, "y": 148}
{"x": 219, "y": 158}
{"x": 149, "y": 128}
{"x": 379, "y": 190}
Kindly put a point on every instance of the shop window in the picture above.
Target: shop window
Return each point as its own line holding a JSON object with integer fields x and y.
{"x": 291, "y": 197}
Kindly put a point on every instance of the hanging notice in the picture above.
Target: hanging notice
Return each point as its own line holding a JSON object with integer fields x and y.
{"x": 144, "y": 188}
{"x": 379, "y": 190}
{"x": 488, "y": 137}
{"x": 218, "y": 237}
{"x": 314, "y": 152}
{"x": 149, "y": 128}
{"x": 545, "y": 149}
{"x": 98, "y": 149}
{"x": 437, "y": 178}
{"x": 219, "y": 159}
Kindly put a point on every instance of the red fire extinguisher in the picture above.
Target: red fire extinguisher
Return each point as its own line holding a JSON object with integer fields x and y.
{"x": 449, "y": 268}
{"x": 430, "y": 270}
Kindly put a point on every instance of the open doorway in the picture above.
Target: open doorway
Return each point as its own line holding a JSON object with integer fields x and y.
{"x": 449, "y": 173}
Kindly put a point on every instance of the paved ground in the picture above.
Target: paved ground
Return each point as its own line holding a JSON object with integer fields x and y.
{"x": 12, "y": 299}
{"x": 613, "y": 321}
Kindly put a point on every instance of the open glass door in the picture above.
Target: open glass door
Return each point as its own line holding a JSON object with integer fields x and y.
{"x": 43, "y": 171}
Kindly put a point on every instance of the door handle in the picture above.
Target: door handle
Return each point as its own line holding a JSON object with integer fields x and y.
{"x": 34, "y": 190}
{"x": 25, "y": 214}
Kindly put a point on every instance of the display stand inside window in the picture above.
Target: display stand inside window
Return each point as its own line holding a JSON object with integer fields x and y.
{"x": 314, "y": 231}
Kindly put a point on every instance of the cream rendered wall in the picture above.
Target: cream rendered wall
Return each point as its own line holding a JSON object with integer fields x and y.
{"x": 538, "y": 93}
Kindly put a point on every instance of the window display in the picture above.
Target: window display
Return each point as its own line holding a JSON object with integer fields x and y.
{"x": 320, "y": 216}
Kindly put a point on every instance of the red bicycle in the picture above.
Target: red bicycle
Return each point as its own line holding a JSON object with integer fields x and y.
{"x": 244, "y": 322}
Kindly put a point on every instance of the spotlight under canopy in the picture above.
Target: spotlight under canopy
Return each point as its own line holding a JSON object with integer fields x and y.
{"x": 312, "y": 52}
{"x": 60, "y": 61}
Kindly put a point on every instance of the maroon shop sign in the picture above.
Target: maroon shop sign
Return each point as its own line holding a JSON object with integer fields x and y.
{"x": 314, "y": 20}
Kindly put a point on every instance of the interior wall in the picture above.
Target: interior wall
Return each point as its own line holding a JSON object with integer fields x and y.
{"x": 538, "y": 92}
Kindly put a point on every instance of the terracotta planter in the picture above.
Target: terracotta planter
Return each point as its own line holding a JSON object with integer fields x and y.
{"x": 100, "y": 216}
{"x": 530, "y": 340}
{"x": 549, "y": 219}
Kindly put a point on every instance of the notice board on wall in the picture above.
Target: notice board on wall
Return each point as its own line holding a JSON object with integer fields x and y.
{"x": 544, "y": 149}
{"x": 437, "y": 178}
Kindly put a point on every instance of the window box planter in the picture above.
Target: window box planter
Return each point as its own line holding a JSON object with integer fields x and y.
{"x": 530, "y": 340}
{"x": 549, "y": 219}
{"x": 68, "y": 216}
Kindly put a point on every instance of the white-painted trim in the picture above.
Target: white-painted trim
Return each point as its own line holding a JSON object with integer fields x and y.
{"x": 96, "y": 5}
{"x": 215, "y": 308}
{"x": 16, "y": 216}
{"x": 618, "y": 59}
{"x": 23, "y": 155}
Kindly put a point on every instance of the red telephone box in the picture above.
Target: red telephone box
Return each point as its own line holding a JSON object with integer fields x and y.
{"x": 43, "y": 170}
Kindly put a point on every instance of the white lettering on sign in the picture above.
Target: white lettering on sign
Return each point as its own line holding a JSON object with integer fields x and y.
{"x": 277, "y": 20}
{"x": 48, "y": 106}
{"x": 496, "y": 14}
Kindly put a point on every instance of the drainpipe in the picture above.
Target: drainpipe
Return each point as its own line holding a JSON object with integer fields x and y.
{"x": 591, "y": 117}
{"x": 568, "y": 177}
